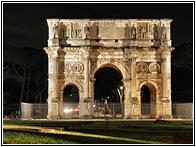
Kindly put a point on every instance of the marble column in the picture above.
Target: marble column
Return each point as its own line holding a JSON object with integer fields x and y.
{"x": 127, "y": 94}
{"x": 133, "y": 79}
{"x": 166, "y": 85}
{"x": 85, "y": 101}
{"x": 164, "y": 77}
{"x": 135, "y": 108}
{"x": 61, "y": 113}
{"x": 53, "y": 111}
{"x": 91, "y": 88}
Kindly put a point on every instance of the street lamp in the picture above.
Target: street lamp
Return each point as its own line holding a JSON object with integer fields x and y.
{"x": 121, "y": 93}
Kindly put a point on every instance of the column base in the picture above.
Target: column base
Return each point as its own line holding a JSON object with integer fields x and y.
{"x": 166, "y": 117}
{"x": 135, "y": 117}
{"x": 126, "y": 116}
{"x": 53, "y": 117}
{"x": 88, "y": 116}
{"x": 154, "y": 116}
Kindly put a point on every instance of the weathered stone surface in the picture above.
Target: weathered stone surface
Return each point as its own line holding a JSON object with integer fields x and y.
{"x": 140, "y": 49}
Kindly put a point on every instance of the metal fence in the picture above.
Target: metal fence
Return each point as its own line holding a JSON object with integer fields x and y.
{"x": 182, "y": 110}
{"x": 34, "y": 110}
{"x": 71, "y": 110}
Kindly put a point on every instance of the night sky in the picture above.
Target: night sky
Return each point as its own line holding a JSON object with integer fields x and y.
{"x": 24, "y": 24}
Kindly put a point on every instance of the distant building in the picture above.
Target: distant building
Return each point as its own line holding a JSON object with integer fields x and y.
{"x": 139, "y": 49}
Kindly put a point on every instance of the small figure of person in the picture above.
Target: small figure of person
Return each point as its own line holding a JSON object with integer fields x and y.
{"x": 68, "y": 33}
{"x": 163, "y": 32}
{"x": 62, "y": 33}
{"x": 76, "y": 33}
{"x": 56, "y": 31}
{"x": 127, "y": 32}
{"x": 156, "y": 33}
{"x": 139, "y": 31}
{"x": 86, "y": 31}
{"x": 17, "y": 115}
{"x": 145, "y": 31}
{"x": 79, "y": 33}
{"x": 12, "y": 116}
{"x": 133, "y": 32}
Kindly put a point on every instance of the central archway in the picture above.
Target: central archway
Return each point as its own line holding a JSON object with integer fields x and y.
{"x": 108, "y": 92}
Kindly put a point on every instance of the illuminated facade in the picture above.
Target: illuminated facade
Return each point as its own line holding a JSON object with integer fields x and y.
{"x": 139, "y": 49}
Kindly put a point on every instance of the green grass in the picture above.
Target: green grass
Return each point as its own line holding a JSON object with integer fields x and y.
{"x": 91, "y": 132}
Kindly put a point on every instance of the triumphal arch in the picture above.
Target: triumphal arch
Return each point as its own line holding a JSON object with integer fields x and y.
{"x": 139, "y": 49}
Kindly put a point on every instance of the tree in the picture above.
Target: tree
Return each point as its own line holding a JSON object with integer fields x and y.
{"x": 16, "y": 61}
{"x": 182, "y": 56}
{"x": 29, "y": 67}
{"x": 182, "y": 73}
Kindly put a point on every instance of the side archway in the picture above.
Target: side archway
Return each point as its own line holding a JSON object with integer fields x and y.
{"x": 69, "y": 97}
{"x": 149, "y": 101}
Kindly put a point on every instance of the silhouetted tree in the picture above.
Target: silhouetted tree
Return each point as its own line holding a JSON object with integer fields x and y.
{"x": 29, "y": 67}
{"x": 182, "y": 73}
{"x": 182, "y": 56}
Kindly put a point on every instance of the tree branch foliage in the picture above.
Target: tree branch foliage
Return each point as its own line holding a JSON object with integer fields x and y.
{"x": 29, "y": 67}
{"x": 182, "y": 56}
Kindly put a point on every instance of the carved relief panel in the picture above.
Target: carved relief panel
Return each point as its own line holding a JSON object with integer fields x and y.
{"x": 112, "y": 29}
{"x": 65, "y": 30}
{"x": 150, "y": 31}
{"x": 148, "y": 70}
{"x": 73, "y": 67}
{"x": 142, "y": 30}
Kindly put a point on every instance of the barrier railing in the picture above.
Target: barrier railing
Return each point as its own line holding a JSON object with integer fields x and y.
{"x": 71, "y": 110}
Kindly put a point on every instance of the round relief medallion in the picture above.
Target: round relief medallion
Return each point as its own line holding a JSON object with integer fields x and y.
{"x": 67, "y": 67}
{"x": 142, "y": 67}
{"x": 154, "y": 67}
{"x": 78, "y": 67}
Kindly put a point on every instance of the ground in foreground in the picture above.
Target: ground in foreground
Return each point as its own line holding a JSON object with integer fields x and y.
{"x": 96, "y": 132}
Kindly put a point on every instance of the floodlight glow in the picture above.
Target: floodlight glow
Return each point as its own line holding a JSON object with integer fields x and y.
{"x": 67, "y": 110}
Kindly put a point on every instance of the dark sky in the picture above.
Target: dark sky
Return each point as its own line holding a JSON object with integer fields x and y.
{"x": 24, "y": 24}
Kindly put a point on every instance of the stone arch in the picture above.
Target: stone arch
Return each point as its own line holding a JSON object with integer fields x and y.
{"x": 149, "y": 84}
{"x": 61, "y": 92}
{"x": 116, "y": 66}
{"x": 76, "y": 84}
{"x": 119, "y": 67}
{"x": 154, "y": 97}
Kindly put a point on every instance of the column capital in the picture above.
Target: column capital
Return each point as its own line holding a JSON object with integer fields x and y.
{"x": 133, "y": 59}
{"x": 52, "y": 49}
{"x": 163, "y": 59}
{"x": 165, "y": 48}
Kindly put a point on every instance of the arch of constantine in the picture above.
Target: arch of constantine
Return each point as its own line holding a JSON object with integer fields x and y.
{"x": 139, "y": 49}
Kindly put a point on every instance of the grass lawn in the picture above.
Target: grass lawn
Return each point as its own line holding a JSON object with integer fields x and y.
{"x": 96, "y": 132}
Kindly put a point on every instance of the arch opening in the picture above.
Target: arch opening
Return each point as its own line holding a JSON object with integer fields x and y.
{"x": 71, "y": 94}
{"x": 145, "y": 100}
{"x": 108, "y": 91}
{"x": 148, "y": 101}
{"x": 70, "y": 102}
